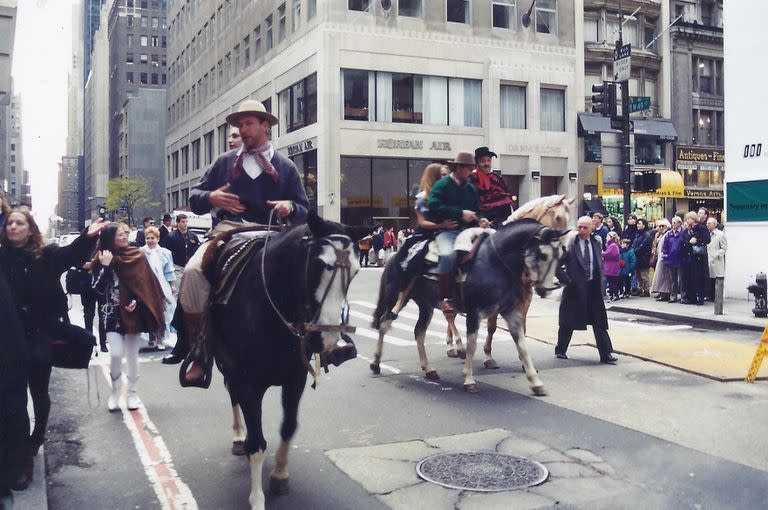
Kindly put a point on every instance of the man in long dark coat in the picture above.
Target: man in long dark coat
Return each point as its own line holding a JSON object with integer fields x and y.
{"x": 582, "y": 301}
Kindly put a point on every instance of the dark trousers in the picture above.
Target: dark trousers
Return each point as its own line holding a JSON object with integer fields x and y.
{"x": 182, "y": 345}
{"x": 91, "y": 303}
{"x": 613, "y": 286}
{"x": 602, "y": 339}
{"x": 364, "y": 257}
{"x": 39, "y": 376}
{"x": 626, "y": 284}
{"x": 695, "y": 273}
{"x": 14, "y": 431}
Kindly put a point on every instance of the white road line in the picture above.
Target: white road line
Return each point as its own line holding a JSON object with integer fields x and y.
{"x": 396, "y": 325}
{"x": 392, "y": 340}
{"x": 172, "y": 492}
{"x": 384, "y": 366}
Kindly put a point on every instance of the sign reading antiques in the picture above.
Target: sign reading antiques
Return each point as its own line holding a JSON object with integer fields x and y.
{"x": 699, "y": 154}
{"x": 391, "y": 143}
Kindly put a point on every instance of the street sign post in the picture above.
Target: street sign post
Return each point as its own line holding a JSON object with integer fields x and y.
{"x": 639, "y": 103}
{"x": 621, "y": 62}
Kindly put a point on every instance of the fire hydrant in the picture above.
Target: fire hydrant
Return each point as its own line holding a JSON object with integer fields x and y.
{"x": 760, "y": 291}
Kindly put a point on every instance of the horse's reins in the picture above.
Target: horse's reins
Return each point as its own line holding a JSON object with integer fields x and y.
{"x": 302, "y": 330}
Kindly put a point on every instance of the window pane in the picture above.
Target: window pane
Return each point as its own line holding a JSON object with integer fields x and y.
{"x": 473, "y": 103}
{"x": 355, "y": 191}
{"x": 310, "y": 100}
{"x": 457, "y": 11}
{"x": 546, "y": 16}
{"x": 356, "y": 95}
{"x": 650, "y": 34}
{"x": 552, "y": 110}
{"x": 383, "y": 96}
{"x": 359, "y": 5}
{"x": 504, "y": 14}
{"x": 410, "y": 8}
{"x": 284, "y": 109}
{"x": 435, "y": 100}
{"x": 590, "y": 30}
{"x": 513, "y": 107}
{"x": 390, "y": 189}
{"x": 403, "y": 99}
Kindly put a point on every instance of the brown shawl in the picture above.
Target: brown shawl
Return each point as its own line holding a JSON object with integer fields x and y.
{"x": 137, "y": 281}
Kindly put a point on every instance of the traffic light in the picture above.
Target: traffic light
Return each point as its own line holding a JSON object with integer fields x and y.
{"x": 604, "y": 99}
{"x": 645, "y": 182}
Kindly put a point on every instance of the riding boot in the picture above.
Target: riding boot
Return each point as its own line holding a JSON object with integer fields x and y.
{"x": 444, "y": 285}
{"x": 132, "y": 399}
{"x": 193, "y": 322}
{"x": 42, "y": 408}
{"x": 113, "y": 403}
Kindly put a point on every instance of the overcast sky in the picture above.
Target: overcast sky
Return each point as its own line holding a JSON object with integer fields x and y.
{"x": 41, "y": 62}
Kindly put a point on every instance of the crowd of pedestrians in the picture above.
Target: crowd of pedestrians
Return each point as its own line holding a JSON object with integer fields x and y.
{"x": 686, "y": 255}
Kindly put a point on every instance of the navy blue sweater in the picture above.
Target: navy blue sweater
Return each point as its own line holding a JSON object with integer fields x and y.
{"x": 253, "y": 193}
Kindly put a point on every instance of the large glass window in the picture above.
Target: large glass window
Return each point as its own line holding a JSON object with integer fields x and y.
{"x": 405, "y": 88}
{"x": 306, "y": 164}
{"x": 649, "y": 151}
{"x": 512, "y": 101}
{"x": 546, "y": 17}
{"x": 591, "y": 29}
{"x": 705, "y": 77}
{"x": 358, "y": 5}
{"x": 298, "y": 104}
{"x": 355, "y": 191}
{"x": 593, "y": 151}
{"x": 411, "y": 8}
{"x": 552, "y": 110}
{"x": 505, "y": 14}
{"x": 457, "y": 11}
{"x": 650, "y": 34}
{"x": 358, "y": 88}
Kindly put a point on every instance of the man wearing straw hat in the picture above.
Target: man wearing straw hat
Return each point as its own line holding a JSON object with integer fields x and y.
{"x": 453, "y": 198}
{"x": 242, "y": 186}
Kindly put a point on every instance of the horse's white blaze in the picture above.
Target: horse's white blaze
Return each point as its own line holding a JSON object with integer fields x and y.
{"x": 256, "y": 498}
{"x": 238, "y": 427}
{"x": 541, "y": 266}
{"x": 330, "y": 312}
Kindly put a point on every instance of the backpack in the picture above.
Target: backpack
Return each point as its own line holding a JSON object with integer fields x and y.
{"x": 77, "y": 280}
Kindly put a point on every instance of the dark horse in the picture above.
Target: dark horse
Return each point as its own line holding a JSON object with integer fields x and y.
{"x": 274, "y": 320}
{"x": 496, "y": 283}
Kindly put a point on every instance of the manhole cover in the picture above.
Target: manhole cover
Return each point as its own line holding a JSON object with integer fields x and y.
{"x": 481, "y": 471}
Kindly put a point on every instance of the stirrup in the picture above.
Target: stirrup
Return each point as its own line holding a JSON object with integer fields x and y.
{"x": 204, "y": 382}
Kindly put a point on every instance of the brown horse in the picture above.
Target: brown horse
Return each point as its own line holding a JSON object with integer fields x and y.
{"x": 554, "y": 211}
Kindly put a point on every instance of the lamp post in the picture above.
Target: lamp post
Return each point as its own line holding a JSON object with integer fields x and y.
{"x": 527, "y": 16}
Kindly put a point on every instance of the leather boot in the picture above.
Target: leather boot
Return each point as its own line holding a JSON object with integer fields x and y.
{"x": 113, "y": 403}
{"x": 132, "y": 399}
{"x": 25, "y": 478}
{"x": 444, "y": 284}
{"x": 193, "y": 322}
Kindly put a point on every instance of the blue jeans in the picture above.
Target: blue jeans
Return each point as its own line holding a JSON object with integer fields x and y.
{"x": 445, "y": 241}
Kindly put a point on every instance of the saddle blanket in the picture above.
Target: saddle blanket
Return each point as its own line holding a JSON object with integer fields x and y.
{"x": 232, "y": 260}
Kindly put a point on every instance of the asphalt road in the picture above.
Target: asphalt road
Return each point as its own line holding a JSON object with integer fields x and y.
{"x": 674, "y": 440}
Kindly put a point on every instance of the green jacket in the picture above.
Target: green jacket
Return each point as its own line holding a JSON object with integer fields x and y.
{"x": 447, "y": 200}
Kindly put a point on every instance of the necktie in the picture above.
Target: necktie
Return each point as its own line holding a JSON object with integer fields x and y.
{"x": 265, "y": 165}
{"x": 587, "y": 260}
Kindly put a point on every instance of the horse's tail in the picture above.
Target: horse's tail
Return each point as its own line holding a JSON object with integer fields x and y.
{"x": 390, "y": 273}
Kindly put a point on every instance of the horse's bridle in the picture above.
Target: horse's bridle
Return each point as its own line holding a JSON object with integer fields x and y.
{"x": 554, "y": 260}
{"x": 301, "y": 330}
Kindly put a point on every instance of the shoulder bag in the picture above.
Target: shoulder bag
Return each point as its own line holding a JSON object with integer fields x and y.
{"x": 71, "y": 346}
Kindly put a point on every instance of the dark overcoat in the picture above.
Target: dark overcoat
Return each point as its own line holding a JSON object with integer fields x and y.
{"x": 581, "y": 303}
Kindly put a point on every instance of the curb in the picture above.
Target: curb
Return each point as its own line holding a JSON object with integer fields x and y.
{"x": 692, "y": 319}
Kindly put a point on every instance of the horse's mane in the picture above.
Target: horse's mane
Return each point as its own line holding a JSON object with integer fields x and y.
{"x": 518, "y": 231}
{"x": 544, "y": 203}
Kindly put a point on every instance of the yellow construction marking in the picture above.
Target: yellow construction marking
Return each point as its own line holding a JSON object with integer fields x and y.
{"x": 762, "y": 352}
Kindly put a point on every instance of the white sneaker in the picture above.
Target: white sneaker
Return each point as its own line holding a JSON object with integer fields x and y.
{"x": 160, "y": 345}
{"x": 133, "y": 401}
{"x": 113, "y": 402}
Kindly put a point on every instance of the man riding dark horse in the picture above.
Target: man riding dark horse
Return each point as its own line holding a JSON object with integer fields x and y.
{"x": 243, "y": 186}
{"x": 453, "y": 198}
{"x": 495, "y": 199}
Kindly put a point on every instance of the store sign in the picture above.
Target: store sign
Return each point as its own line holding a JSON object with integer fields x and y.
{"x": 305, "y": 146}
{"x": 747, "y": 201}
{"x": 533, "y": 149}
{"x": 699, "y": 154}
{"x": 709, "y": 193}
{"x": 391, "y": 143}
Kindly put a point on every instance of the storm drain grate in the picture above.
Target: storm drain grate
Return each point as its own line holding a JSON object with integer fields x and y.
{"x": 481, "y": 471}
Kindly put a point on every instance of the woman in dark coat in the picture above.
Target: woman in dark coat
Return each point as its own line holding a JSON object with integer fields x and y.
{"x": 14, "y": 423}
{"x": 696, "y": 238}
{"x": 642, "y": 246}
{"x": 33, "y": 272}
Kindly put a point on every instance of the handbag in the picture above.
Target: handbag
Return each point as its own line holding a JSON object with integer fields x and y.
{"x": 699, "y": 250}
{"x": 71, "y": 346}
{"x": 77, "y": 280}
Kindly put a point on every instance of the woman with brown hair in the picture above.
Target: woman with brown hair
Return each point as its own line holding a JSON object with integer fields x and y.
{"x": 134, "y": 305}
{"x": 33, "y": 272}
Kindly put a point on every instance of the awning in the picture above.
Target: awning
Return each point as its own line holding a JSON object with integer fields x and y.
{"x": 590, "y": 124}
{"x": 593, "y": 206}
{"x": 672, "y": 186}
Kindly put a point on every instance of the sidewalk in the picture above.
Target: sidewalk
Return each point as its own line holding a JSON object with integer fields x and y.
{"x": 737, "y": 313}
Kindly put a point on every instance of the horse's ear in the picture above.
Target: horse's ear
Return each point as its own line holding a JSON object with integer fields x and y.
{"x": 357, "y": 232}
{"x": 570, "y": 201}
{"x": 316, "y": 224}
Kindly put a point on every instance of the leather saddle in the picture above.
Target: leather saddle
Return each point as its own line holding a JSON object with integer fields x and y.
{"x": 225, "y": 266}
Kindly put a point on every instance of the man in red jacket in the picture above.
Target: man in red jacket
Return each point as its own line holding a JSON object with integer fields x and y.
{"x": 495, "y": 200}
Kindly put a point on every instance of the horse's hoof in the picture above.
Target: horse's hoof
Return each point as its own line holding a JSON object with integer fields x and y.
{"x": 452, "y": 353}
{"x": 432, "y": 375}
{"x": 375, "y": 368}
{"x": 470, "y": 388}
{"x": 539, "y": 391}
{"x": 463, "y": 354}
{"x": 238, "y": 448}
{"x": 490, "y": 364}
{"x": 278, "y": 486}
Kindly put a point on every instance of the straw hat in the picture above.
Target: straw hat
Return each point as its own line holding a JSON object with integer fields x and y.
{"x": 462, "y": 158}
{"x": 251, "y": 107}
